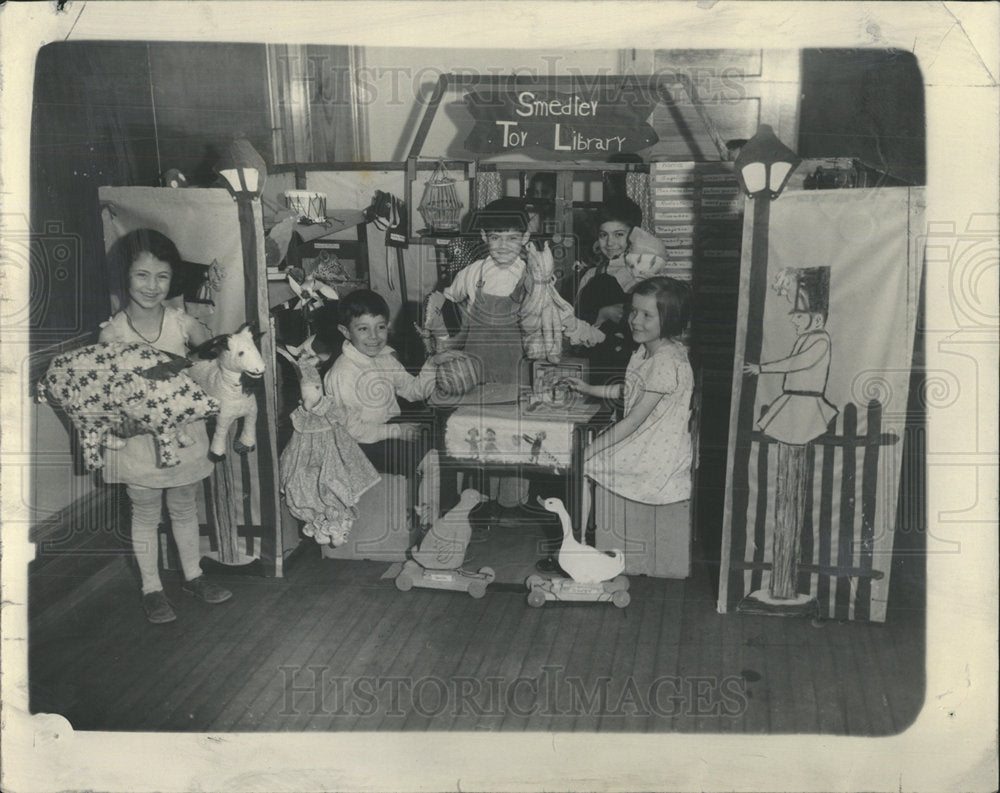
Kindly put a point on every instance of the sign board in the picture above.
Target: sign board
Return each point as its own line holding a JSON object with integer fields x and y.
{"x": 598, "y": 122}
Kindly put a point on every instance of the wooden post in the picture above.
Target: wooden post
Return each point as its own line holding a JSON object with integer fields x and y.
{"x": 255, "y": 301}
{"x": 789, "y": 503}
{"x": 224, "y": 510}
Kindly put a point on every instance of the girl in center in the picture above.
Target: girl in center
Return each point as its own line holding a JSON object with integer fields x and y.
{"x": 647, "y": 455}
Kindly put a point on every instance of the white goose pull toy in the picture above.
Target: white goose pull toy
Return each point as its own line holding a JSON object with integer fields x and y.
{"x": 594, "y": 575}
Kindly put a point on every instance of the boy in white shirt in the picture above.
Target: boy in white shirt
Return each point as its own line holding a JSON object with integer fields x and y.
{"x": 365, "y": 381}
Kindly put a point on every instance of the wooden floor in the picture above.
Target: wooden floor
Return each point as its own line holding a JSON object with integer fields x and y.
{"x": 334, "y": 646}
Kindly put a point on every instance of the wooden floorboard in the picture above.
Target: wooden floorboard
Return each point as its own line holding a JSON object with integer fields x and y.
{"x": 879, "y": 711}
{"x": 541, "y": 630}
{"x": 512, "y": 668}
{"x": 662, "y": 606}
{"x": 732, "y": 683}
{"x": 327, "y": 660}
{"x": 681, "y": 656}
{"x": 755, "y": 671}
{"x": 401, "y": 616}
{"x": 618, "y": 662}
{"x": 616, "y": 626}
{"x": 219, "y": 668}
{"x": 754, "y": 718}
{"x": 853, "y": 690}
{"x": 439, "y": 626}
{"x": 442, "y": 663}
{"x": 263, "y": 676}
{"x": 900, "y": 651}
{"x": 578, "y": 669}
{"x": 483, "y": 664}
{"x": 783, "y": 696}
{"x": 169, "y": 702}
{"x": 570, "y": 617}
{"x": 795, "y": 639}
{"x": 830, "y": 716}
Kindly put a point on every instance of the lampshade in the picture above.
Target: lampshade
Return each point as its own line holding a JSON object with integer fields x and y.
{"x": 765, "y": 163}
{"x": 241, "y": 180}
{"x": 243, "y": 169}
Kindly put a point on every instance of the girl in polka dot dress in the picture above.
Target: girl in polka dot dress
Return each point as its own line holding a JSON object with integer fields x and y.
{"x": 647, "y": 455}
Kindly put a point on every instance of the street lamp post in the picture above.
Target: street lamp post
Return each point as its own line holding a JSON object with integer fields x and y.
{"x": 244, "y": 172}
{"x": 763, "y": 168}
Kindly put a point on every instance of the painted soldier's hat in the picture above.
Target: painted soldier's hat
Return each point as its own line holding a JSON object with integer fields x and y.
{"x": 812, "y": 291}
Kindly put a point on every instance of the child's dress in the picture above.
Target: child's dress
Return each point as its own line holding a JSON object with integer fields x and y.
{"x": 653, "y": 464}
{"x": 135, "y": 462}
{"x": 324, "y": 473}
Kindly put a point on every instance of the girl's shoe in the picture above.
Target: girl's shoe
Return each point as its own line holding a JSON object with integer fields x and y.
{"x": 206, "y": 591}
{"x": 157, "y": 607}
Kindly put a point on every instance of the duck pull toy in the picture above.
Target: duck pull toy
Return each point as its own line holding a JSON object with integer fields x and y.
{"x": 594, "y": 576}
{"x": 437, "y": 560}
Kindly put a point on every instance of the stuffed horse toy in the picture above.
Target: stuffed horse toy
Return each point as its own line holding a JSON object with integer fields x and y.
{"x": 226, "y": 368}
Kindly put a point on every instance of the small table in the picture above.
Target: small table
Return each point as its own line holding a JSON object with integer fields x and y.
{"x": 503, "y": 427}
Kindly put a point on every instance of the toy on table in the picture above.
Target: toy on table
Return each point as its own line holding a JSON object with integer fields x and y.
{"x": 594, "y": 575}
{"x": 544, "y": 315}
{"x": 436, "y": 562}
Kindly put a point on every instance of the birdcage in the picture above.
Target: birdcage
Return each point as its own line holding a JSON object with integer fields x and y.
{"x": 440, "y": 207}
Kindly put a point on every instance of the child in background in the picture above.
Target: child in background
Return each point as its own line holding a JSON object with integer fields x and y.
{"x": 602, "y": 295}
{"x": 147, "y": 261}
{"x": 647, "y": 455}
{"x": 365, "y": 381}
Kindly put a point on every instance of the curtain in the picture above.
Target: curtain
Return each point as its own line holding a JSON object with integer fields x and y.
{"x": 317, "y": 110}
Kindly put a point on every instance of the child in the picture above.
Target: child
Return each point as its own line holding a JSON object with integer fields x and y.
{"x": 365, "y": 381}
{"x": 647, "y": 455}
{"x": 601, "y": 298}
{"x": 489, "y": 291}
{"x": 147, "y": 261}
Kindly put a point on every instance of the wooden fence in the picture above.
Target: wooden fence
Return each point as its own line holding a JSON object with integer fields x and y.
{"x": 837, "y": 541}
